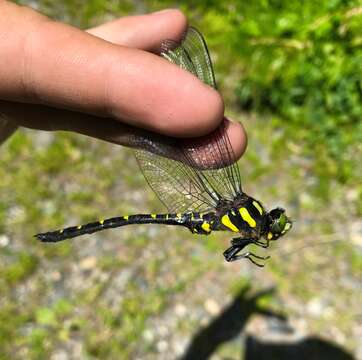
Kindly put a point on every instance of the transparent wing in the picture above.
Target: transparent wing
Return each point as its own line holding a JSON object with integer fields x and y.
{"x": 192, "y": 55}
{"x": 197, "y": 174}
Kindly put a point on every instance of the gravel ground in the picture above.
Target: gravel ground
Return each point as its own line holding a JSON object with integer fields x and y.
{"x": 150, "y": 292}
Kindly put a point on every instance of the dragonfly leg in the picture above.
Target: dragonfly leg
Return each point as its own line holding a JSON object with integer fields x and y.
{"x": 244, "y": 242}
{"x": 250, "y": 256}
{"x": 232, "y": 254}
{"x": 262, "y": 244}
{"x": 241, "y": 243}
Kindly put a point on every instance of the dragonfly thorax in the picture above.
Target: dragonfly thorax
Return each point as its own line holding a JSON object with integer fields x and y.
{"x": 247, "y": 217}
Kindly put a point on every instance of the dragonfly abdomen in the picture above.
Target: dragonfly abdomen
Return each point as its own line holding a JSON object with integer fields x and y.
{"x": 74, "y": 231}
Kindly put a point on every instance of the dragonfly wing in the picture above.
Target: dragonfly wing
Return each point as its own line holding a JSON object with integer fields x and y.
{"x": 191, "y": 174}
{"x": 176, "y": 184}
{"x": 192, "y": 55}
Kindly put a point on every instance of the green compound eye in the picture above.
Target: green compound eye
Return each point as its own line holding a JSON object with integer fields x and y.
{"x": 282, "y": 221}
{"x": 275, "y": 227}
{"x": 279, "y": 224}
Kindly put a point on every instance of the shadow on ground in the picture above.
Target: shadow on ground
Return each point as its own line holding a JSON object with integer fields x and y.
{"x": 311, "y": 348}
{"x": 231, "y": 322}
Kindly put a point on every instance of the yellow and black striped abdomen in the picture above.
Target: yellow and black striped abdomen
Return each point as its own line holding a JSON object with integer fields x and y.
{"x": 74, "y": 231}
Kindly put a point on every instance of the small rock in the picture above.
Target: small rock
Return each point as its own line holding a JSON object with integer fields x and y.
{"x": 180, "y": 310}
{"x": 212, "y": 307}
{"x": 88, "y": 263}
{"x": 315, "y": 307}
{"x": 179, "y": 347}
{"x": 356, "y": 233}
{"x": 59, "y": 355}
{"x": 4, "y": 240}
{"x": 306, "y": 199}
{"x": 162, "y": 346}
{"x": 148, "y": 335}
{"x": 352, "y": 195}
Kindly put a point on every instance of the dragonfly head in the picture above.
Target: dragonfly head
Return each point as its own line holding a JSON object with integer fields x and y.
{"x": 279, "y": 224}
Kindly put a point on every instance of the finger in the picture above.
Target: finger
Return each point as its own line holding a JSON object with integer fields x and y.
{"x": 140, "y": 31}
{"x": 56, "y": 65}
{"x": 220, "y": 148}
{"x": 144, "y": 31}
{"x": 46, "y": 118}
{"x": 238, "y": 138}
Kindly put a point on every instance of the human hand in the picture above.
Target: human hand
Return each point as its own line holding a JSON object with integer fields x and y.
{"x": 106, "y": 83}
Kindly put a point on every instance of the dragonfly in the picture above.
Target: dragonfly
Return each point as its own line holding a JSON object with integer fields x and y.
{"x": 200, "y": 184}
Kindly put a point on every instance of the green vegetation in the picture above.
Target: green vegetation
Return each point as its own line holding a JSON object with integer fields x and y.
{"x": 302, "y": 63}
{"x": 291, "y": 71}
{"x": 306, "y": 66}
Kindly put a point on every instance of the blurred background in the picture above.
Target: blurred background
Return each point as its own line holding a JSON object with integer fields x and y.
{"x": 291, "y": 72}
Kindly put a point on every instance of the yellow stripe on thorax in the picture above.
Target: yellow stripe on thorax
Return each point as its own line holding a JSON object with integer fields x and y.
{"x": 206, "y": 227}
{"x": 247, "y": 217}
{"x": 153, "y": 216}
{"x": 258, "y": 207}
{"x": 227, "y": 222}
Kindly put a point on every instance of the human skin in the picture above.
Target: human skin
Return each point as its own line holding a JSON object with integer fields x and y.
{"x": 107, "y": 82}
